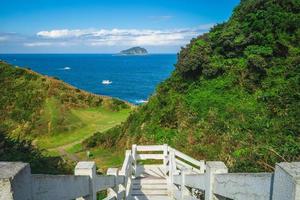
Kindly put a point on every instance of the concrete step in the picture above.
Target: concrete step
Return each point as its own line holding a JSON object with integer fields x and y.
{"x": 143, "y": 197}
{"x": 150, "y": 170}
{"x": 149, "y": 181}
{"x": 147, "y": 192}
{"x": 150, "y": 186}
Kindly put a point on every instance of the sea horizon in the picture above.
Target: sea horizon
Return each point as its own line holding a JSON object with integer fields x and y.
{"x": 89, "y": 53}
{"x": 130, "y": 78}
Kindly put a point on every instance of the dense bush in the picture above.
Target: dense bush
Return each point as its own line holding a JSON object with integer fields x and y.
{"x": 116, "y": 105}
{"x": 106, "y": 139}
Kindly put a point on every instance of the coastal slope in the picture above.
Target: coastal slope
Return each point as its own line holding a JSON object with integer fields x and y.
{"x": 35, "y": 105}
{"x": 234, "y": 95}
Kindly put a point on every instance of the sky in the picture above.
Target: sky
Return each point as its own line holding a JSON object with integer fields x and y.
{"x": 97, "y": 26}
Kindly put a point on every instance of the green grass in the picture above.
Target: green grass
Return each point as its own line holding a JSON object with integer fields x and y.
{"x": 53, "y": 153}
{"x": 54, "y": 115}
{"x": 104, "y": 158}
{"x": 51, "y": 110}
{"x": 94, "y": 119}
{"x": 75, "y": 148}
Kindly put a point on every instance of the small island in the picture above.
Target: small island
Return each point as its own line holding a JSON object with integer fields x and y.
{"x": 134, "y": 51}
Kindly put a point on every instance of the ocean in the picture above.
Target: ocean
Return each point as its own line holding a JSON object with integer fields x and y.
{"x": 130, "y": 78}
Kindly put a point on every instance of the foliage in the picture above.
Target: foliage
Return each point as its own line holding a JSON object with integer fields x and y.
{"x": 32, "y": 104}
{"x": 194, "y": 57}
{"x": 49, "y": 113}
{"x": 106, "y": 139}
{"x": 87, "y": 121}
{"x": 17, "y": 149}
{"x": 235, "y": 93}
{"x": 116, "y": 105}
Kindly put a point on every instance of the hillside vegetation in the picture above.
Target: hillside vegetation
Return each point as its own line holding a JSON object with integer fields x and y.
{"x": 32, "y": 104}
{"x": 18, "y": 149}
{"x": 234, "y": 95}
{"x": 50, "y": 114}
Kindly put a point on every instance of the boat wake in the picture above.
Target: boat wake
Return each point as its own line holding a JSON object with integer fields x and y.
{"x": 106, "y": 82}
{"x": 141, "y": 101}
{"x": 65, "y": 68}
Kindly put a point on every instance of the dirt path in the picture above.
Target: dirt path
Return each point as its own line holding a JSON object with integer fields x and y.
{"x": 68, "y": 145}
{"x": 62, "y": 149}
{"x": 70, "y": 156}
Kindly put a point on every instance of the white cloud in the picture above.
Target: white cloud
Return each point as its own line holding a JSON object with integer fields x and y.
{"x": 40, "y": 44}
{"x": 125, "y": 37}
{"x": 61, "y": 33}
{"x": 37, "y": 44}
{"x": 3, "y": 38}
{"x": 9, "y": 36}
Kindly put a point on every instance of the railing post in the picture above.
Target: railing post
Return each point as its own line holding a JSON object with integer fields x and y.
{"x": 165, "y": 161}
{"x": 185, "y": 192}
{"x": 113, "y": 192}
{"x": 212, "y": 167}
{"x": 202, "y": 166}
{"x": 134, "y": 159}
{"x": 286, "y": 184}
{"x": 15, "y": 181}
{"x": 129, "y": 176}
{"x": 88, "y": 169}
{"x": 172, "y": 169}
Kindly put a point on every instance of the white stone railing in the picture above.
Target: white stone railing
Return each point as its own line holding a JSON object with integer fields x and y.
{"x": 186, "y": 177}
{"x": 283, "y": 184}
{"x": 121, "y": 189}
{"x": 17, "y": 183}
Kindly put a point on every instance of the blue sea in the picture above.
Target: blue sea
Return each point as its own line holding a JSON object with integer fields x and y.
{"x": 131, "y": 78}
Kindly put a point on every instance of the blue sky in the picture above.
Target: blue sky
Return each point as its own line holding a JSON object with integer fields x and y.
{"x": 97, "y": 26}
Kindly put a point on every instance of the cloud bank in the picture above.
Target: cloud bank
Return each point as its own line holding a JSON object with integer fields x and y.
{"x": 97, "y": 38}
{"x": 124, "y": 37}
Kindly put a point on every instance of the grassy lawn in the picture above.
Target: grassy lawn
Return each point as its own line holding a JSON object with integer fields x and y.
{"x": 93, "y": 120}
{"x": 75, "y": 148}
{"x": 104, "y": 158}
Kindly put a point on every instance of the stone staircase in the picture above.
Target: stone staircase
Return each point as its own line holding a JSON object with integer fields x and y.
{"x": 150, "y": 183}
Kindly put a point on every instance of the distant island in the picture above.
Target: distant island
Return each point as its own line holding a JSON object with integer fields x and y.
{"x": 134, "y": 51}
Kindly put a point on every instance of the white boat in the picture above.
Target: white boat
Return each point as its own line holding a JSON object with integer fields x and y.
{"x": 106, "y": 82}
{"x": 67, "y": 68}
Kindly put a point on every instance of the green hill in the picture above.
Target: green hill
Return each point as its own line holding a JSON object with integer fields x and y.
{"x": 234, "y": 95}
{"x": 32, "y": 104}
{"x": 50, "y": 113}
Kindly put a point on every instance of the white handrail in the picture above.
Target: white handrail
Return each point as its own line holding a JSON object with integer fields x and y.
{"x": 149, "y": 147}
{"x": 126, "y": 171}
{"x": 199, "y": 164}
{"x": 126, "y": 163}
